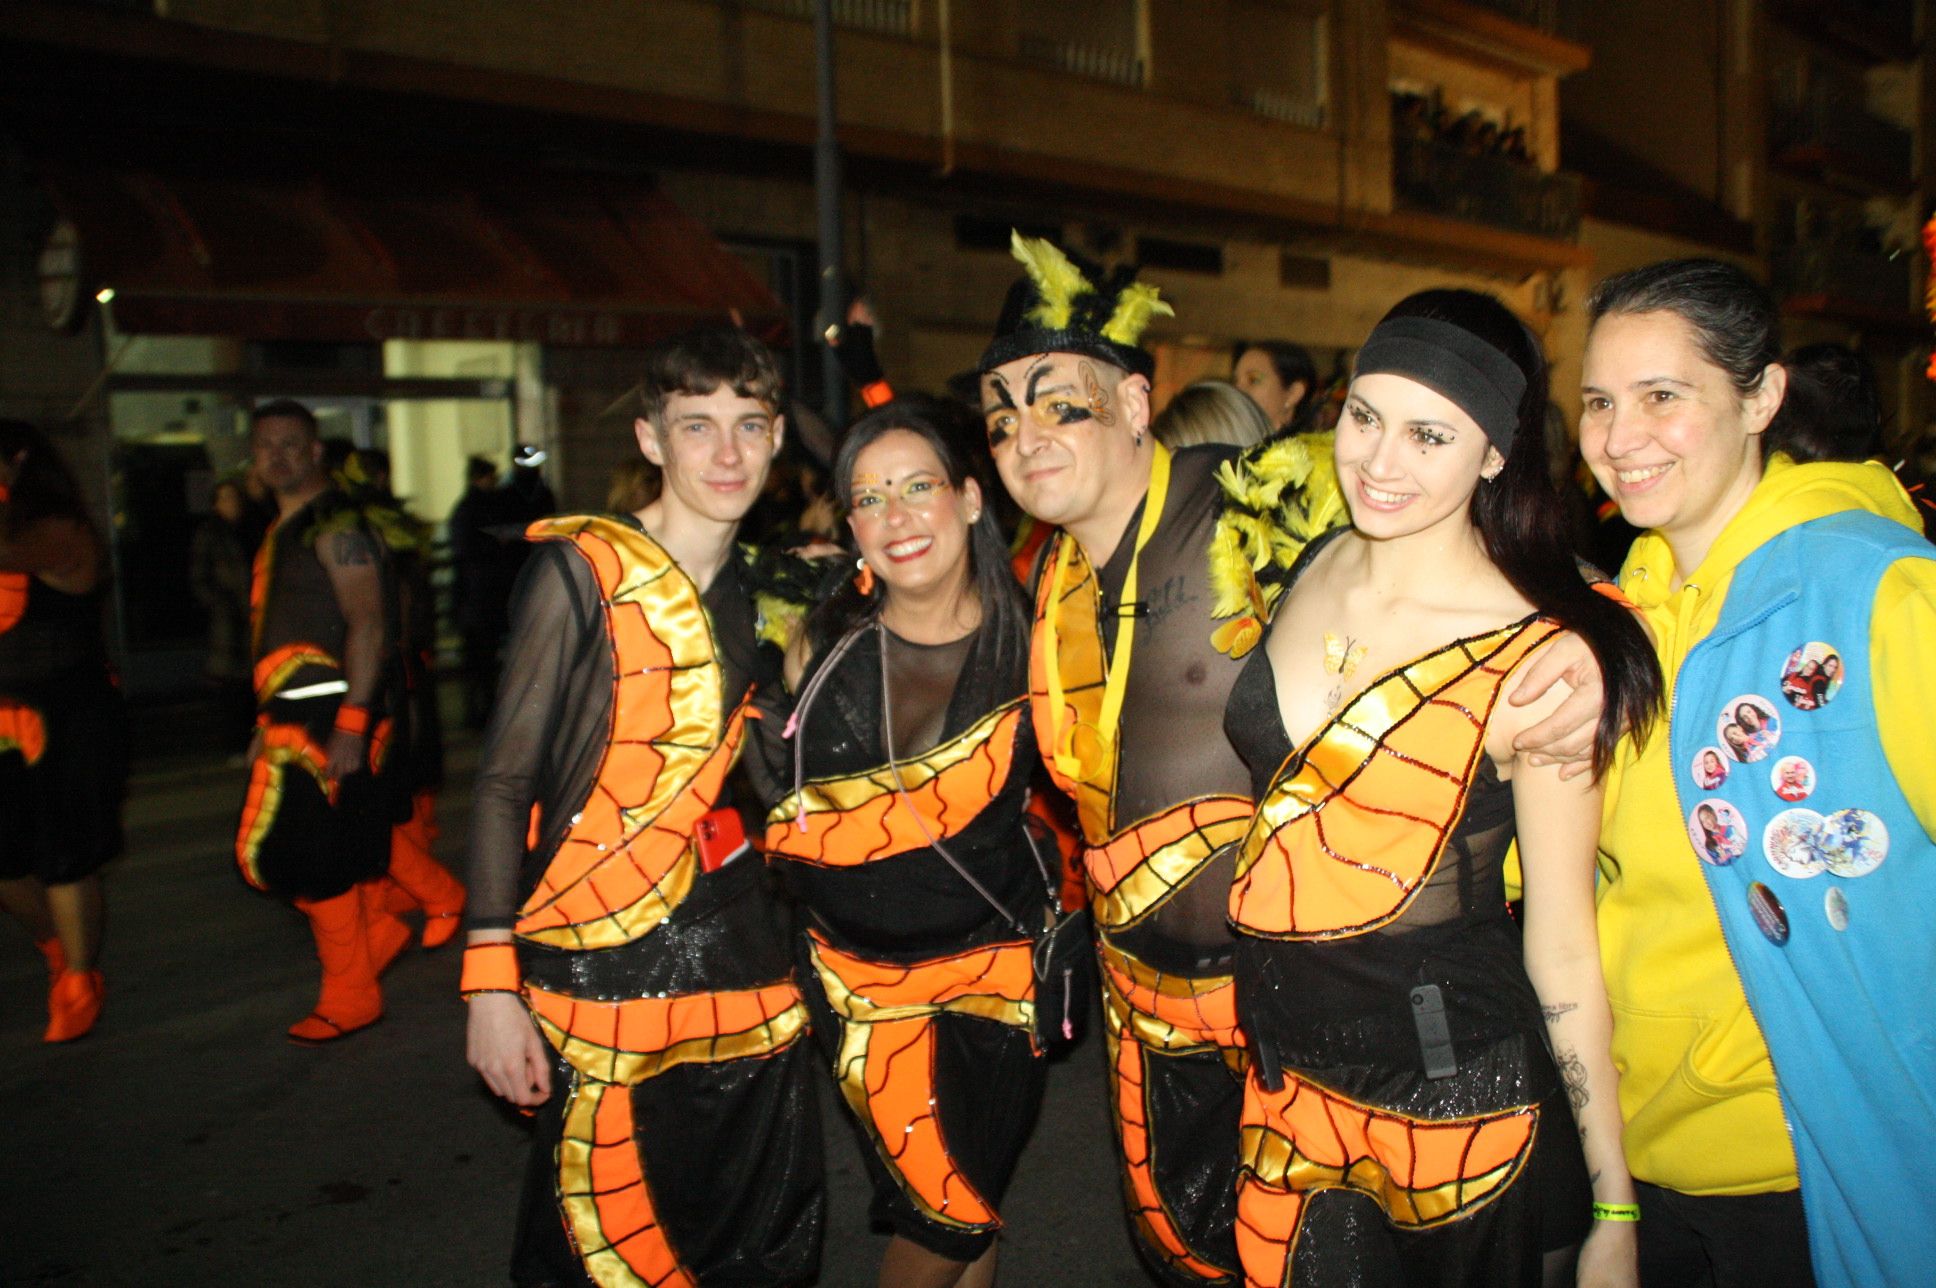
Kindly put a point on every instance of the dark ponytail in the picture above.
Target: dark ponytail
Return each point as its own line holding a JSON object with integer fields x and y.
{"x": 1521, "y": 522}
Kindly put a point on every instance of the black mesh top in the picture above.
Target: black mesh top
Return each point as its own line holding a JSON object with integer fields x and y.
{"x": 1172, "y": 746}
{"x": 553, "y": 717}
{"x": 912, "y": 903}
{"x": 1318, "y": 1003}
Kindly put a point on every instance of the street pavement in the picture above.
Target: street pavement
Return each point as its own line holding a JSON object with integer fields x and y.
{"x": 186, "y": 1142}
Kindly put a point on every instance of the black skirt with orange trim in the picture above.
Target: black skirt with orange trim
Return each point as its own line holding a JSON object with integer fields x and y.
{"x": 63, "y": 776}
{"x": 987, "y": 1080}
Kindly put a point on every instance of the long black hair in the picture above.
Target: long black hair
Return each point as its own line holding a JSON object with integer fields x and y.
{"x": 44, "y": 485}
{"x": 1521, "y": 524}
{"x": 1004, "y": 609}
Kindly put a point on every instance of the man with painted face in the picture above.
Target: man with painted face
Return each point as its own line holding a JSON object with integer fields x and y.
{"x": 1130, "y": 672}
{"x": 626, "y": 977}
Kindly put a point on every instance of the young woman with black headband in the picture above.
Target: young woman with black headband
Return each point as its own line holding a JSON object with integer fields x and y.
{"x": 1412, "y": 1050}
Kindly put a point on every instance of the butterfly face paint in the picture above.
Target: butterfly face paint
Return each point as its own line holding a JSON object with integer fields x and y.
{"x": 1058, "y": 427}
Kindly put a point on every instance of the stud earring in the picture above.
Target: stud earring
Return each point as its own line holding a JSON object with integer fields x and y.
{"x": 864, "y": 583}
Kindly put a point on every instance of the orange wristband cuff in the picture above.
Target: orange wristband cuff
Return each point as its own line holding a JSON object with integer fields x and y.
{"x": 354, "y": 720}
{"x": 490, "y": 968}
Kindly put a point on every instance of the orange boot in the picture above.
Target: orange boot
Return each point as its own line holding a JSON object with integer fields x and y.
{"x": 56, "y": 956}
{"x": 73, "y": 1004}
{"x": 389, "y": 936}
{"x": 350, "y": 999}
{"x": 425, "y": 880}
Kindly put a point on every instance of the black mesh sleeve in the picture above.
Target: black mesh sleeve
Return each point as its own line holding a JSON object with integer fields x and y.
{"x": 548, "y": 730}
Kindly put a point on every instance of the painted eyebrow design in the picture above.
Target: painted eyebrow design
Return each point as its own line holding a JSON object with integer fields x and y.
{"x": 1002, "y": 396}
{"x": 1035, "y": 375}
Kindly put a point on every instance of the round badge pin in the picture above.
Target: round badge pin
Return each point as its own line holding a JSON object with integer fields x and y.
{"x": 1792, "y": 778}
{"x": 1769, "y": 916}
{"x": 1812, "y": 676}
{"x": 1836, "y": 904}
{"x": 1710, "y": 768}
{"x": 1854, "y": 842}
{"x": 1719, "y": 833}
{"x": 1748, "y": 728}
{"x": 1792, "y": 846}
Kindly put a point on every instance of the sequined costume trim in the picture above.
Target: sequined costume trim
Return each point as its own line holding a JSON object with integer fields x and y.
{"x": 1147, "y": 1011}
{"x": 1307, "y": 1138}
{"x": 612, "y": 1047}
{"x": 1357, "y": 818}
{"x": 861, "y": 818}
{"x": 627, "y": 860}
{"x": 885, "y": 1066}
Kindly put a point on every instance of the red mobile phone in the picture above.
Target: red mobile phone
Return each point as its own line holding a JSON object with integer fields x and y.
{"x": 720, "y": 838}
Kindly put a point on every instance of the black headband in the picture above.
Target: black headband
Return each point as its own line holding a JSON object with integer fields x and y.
{"x": 1450, "y": 360}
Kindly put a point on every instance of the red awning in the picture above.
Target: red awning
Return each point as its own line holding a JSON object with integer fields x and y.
{"x": 368, "y": 252}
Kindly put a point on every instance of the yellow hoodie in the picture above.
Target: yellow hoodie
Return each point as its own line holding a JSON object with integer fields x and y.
{"x": 1697, "y": 1090}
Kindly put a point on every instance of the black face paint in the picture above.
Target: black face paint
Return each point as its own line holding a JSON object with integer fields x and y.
{"x": 992, "y": 417}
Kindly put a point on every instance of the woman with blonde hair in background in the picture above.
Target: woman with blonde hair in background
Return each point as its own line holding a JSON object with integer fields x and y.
{"x": 1210, "y": 411}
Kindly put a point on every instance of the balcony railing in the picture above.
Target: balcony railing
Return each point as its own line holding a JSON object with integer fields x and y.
{"x": 1815, "y": 132}
{"x": 884, "y": 17}
{"x": 1554, "y": 17}
{"x": 1438, "y": 179}
{"x": 1842, "y": 274}
{"x": 1281, "y": 105}
{"x": 1096, "y": 62}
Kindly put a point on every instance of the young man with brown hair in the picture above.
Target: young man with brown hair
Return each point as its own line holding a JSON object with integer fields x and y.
{"x": 626, "y": 976}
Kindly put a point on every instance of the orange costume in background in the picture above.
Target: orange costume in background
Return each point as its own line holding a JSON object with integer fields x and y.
{"x": 679, "y": 1144}
{"x": 1397, "y": 1053}
{"x": 305, "y": 836}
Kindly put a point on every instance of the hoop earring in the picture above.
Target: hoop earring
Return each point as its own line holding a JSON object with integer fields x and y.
{"x": 864, "y": 583}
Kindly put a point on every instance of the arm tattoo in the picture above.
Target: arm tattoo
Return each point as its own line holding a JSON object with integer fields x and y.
{"x": 352, "y": 549}
{"x": 1554, "y": 1012}
{"x": 1573, "y": 1074}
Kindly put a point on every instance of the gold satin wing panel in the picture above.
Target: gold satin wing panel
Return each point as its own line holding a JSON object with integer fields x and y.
{"x": 613, "y": 1046}
{"x": 1147, "y": 1016}
{"x": 1134, "y": 873}
{"x": 1073, "y": 738}
{"x": 859, "y": 819}
{"x": 1355, "y": 823}
{"x": 885, "y": 1066}
{"x": 626, "y": 861}
{"x": 1305, "y": 1138}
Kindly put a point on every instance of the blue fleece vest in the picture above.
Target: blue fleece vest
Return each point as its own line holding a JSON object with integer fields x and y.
{"x": 1827, "y": 899}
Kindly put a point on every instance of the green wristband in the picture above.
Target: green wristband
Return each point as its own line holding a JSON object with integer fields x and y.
{"x": 1616, "y": 1211}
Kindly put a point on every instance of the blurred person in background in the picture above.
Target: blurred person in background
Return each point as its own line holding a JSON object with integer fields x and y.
{"x": 633, "y": 485}
{"x": 484, "y": 571}
{"x": 63, "y": 731}
{"x": 1280, "y": 378}
{"x": 324, "y": 788}
{"x": 218, "y": 575}
{"x": 531, "y": 497}
{"x": 1210, "y": 411}
{"x": 418, "y": 882}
